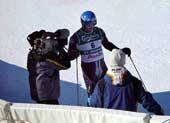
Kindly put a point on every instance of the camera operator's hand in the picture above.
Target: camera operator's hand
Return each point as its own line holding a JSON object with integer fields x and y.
{"x": 63, "y": 59}
{"x": 127, "y": 51}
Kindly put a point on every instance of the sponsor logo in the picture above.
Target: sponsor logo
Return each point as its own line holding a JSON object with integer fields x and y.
{"x": 94, "y": 56}
{"x": 86, "y": 38}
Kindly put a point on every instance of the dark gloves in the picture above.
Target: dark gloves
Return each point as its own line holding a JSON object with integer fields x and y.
{"x": 161, "y": 112}
{"x": 127, "y": 51}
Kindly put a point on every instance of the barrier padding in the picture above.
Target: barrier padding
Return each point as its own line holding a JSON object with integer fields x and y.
{"x": 39, "y": 113}
{"x": 160, "y": 119}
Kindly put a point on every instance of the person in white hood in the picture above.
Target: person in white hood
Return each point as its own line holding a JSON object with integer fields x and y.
{"x": 121, "y": 90}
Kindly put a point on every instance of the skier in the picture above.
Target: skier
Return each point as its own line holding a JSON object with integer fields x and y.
{"x": 87, "y": 42}
{"x": 45, "y": 59}
{"x": 119, "y": 89}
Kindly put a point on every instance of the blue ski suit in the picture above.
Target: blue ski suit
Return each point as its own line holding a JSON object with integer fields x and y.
{"x": 123, "y": 97}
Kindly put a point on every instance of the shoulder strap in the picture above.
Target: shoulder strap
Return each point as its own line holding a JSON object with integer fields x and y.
{"x": 100, "y": 32}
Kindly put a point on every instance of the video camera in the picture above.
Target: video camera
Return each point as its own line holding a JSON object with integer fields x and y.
{"x": 44, "y": 42}
{"x": 49, "y": 46}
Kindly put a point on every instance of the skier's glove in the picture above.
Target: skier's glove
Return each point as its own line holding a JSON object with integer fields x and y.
{"x": 127, "y": 51}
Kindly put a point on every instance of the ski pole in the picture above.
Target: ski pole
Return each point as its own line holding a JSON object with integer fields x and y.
{"x": 77, "y": 81}
{"x": 137, "y": 72}
{"x": 77, "y": 78}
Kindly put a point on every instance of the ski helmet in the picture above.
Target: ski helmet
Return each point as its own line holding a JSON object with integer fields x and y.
{"x": 88, "y": 17}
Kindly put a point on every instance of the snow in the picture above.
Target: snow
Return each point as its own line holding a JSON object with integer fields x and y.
{"x": 142, "y": 25}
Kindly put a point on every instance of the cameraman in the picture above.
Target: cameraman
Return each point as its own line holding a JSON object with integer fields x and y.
{"x": 45, "y": 59}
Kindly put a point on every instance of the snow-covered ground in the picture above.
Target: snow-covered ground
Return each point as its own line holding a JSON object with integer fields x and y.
{"x": 142, "y": 25}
